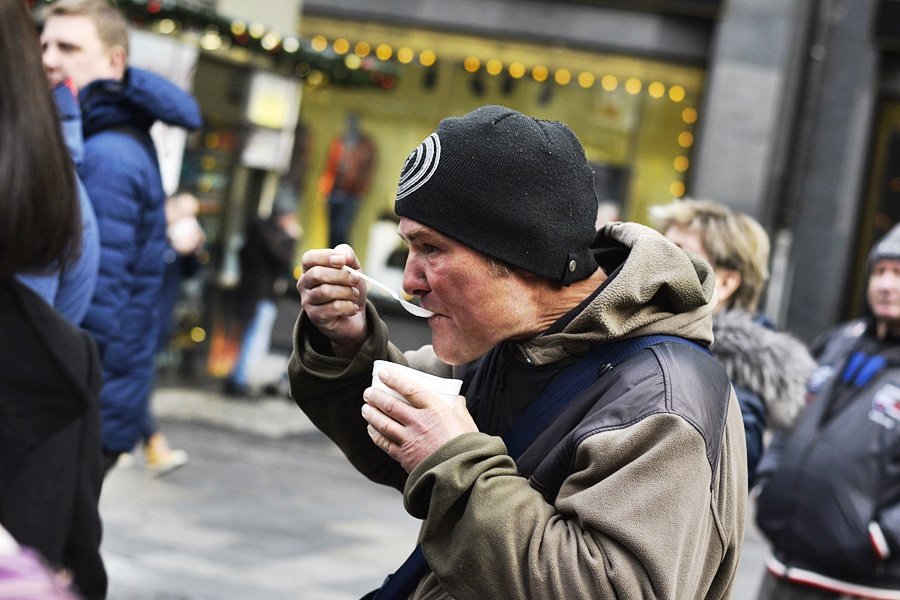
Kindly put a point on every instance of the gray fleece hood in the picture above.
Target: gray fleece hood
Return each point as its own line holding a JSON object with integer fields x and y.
{"x": 654, "y": 288}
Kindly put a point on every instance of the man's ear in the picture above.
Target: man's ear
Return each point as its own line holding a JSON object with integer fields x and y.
{"x": 728, "y": 281}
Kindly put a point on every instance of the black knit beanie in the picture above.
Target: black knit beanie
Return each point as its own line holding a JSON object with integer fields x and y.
{"x": 887, "y": 247}
{"x": 515, "y": 188}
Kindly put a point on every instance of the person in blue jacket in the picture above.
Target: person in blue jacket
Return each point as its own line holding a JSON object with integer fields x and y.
{"x": 767, "y": 368}
{"x": 69, "y": 290}
{"x": 87, "y": 41}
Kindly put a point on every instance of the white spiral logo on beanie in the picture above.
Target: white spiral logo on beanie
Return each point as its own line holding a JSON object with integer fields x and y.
{"x": 420, "y": 165}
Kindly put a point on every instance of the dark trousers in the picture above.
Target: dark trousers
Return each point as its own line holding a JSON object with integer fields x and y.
{"x": 341, "y": 213}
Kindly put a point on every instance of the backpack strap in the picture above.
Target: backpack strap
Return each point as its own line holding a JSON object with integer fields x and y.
{"x": 572, "y": 381}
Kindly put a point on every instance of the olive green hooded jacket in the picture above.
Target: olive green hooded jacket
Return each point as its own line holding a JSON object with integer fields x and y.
{"x": 636, "y": 490}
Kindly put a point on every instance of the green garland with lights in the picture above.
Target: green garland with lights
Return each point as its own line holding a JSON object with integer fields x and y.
{"x": 289, "y": 54}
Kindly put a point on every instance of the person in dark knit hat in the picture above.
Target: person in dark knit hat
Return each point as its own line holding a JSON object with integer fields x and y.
{"x": 829, "y": 503}
{"x": 595, "y": 439}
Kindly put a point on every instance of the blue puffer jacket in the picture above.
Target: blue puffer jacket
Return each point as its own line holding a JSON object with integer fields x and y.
{"x": 69, "y": 291}
{"x": 121, "y": 174}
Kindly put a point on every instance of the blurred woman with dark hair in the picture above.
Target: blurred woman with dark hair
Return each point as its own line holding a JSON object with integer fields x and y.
{"x": 50, "y": 465}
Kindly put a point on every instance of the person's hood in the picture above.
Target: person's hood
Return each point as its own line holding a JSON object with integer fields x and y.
{"x": 654, "y": 288}
{"x": 70, "y": 120}
{"x": 771, "y": 364}
{"x": 138, "y": 100}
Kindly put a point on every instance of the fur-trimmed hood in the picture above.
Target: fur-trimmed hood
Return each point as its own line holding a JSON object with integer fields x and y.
{"x": 771, "y": 364}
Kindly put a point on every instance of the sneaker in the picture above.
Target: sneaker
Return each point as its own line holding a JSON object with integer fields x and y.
{"x": 160, "y": 458}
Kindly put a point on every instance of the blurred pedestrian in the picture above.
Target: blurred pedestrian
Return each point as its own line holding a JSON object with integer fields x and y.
{"x": 597, "y": 449}
{"x": 348, "y": 172}
{"x": 50, "y": 462}
{"x": 768, "y": 368}
{"x": 185, "y": 238}
{"x": 87, "y": 41}
{"x": 266, "y": 258}
{"x": 830, "y": 498}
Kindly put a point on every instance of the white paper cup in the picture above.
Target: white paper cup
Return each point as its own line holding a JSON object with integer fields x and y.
{"x": 448, "y": 389}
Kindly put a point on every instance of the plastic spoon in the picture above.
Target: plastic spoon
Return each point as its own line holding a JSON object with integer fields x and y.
{"x": 409, "y": 306}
